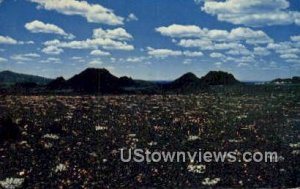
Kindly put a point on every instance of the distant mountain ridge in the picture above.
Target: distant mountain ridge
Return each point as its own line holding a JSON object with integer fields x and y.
{"x": 56, "y": 84}
{"x": 11, "y": 78}
{"x": 189, "y": 82}
{"x": 186, "y": 83}
{"x": 293, "y": 80}
{"x": 101, "y": 81}
{"x": 184, "y": 79}
{"x": 93, "y": 80}
{"x": 219, "y": 78}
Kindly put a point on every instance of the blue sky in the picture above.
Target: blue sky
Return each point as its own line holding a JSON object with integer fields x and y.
{"x": 153, "y": 40}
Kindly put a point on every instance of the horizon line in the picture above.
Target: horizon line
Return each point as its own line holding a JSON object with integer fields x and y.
{"x": 158, "y": 80}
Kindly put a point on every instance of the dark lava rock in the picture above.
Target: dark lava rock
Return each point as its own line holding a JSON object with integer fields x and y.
{"x": 56, "y": 128}
{"x": 9, "y": 131}
{"x": 58, "y": 83}
{"x": 219, "y": 78}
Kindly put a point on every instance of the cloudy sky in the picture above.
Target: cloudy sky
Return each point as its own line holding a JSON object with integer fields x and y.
{"x": 156, "y": 40}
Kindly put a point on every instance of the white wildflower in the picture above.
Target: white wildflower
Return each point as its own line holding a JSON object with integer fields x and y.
{"x": 48, "y": 145}
{"x": 193, "y": 137}
{"x": 152, "y": 143}
{"x": 100, "y": 128}
{"x": 296, "y": 152}
{"x": 132, "y": 135}
{"x": 196, "y": 168}
{"x": 12, "y": 183}
{"x": 211, "y": 182}
{"x": 295, "y": 145}
{"x": 60, "y": 168}
{"x": 235, "y": 141}
{"x": 93, "y": 154}
{"x": 51, "y": 136}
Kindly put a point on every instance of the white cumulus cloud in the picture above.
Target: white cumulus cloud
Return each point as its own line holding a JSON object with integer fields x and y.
{"x": 193, "y": 53}
{"x": 115, "y": 39}
{"x": 247, "y": 35}
{"x": 252, "y": 12}
{"x": 52, "y": 50}
{"x": 295, "y": 38}
{"x": 118, "y": 34}
{"x": 24, "y": 57}
{"x": 176, "y": 30}
{"x": 163, "y": 53}
{"x": 7, "y": 40}
{"x": 94, "y": 13}
{"x": 95, "y": 62}
{"x": 261, "y": 51}
{"x": 99, "y": 53}
{"x": 289, "y": 56}
{"x": 51, "y": 60}
{"x": 3, "y": 60}
{"x": 131, "y": 17}
{"x": 136, "y": 59}
{"x": 216, "y": 55}
{"x": 37, "y": 26}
